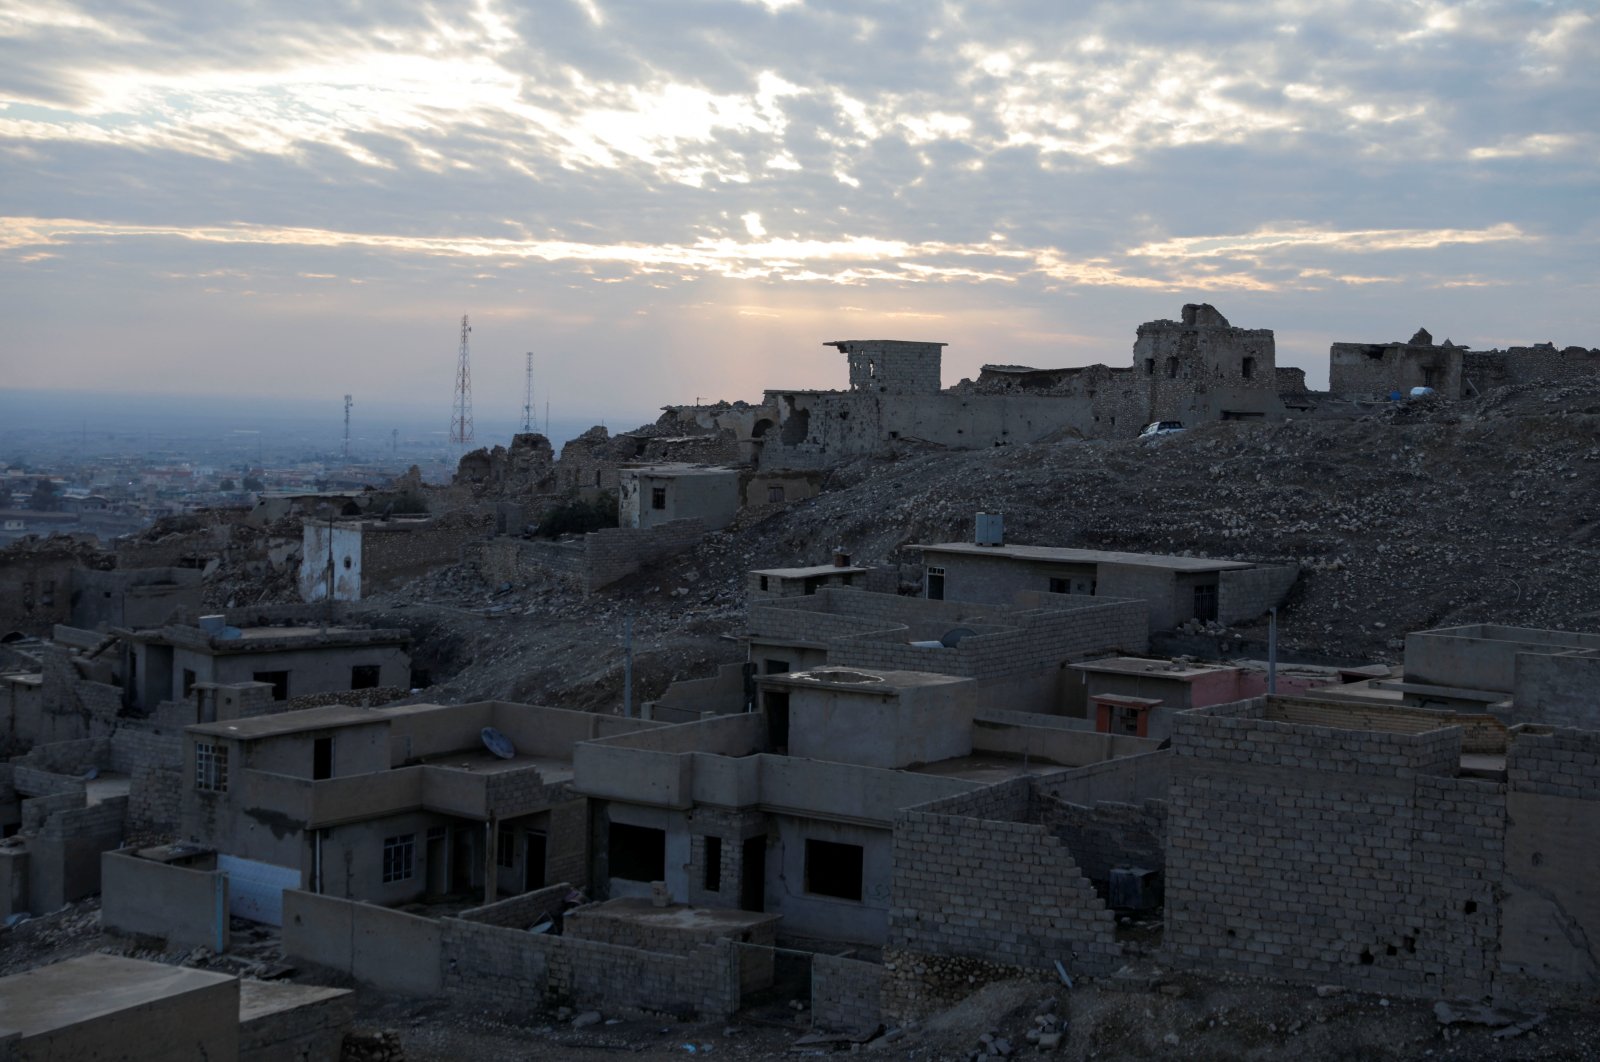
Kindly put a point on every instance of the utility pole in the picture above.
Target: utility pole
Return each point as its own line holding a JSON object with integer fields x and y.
{"x": 347, "y": 429}
{"x": 394, "y": 441}
{"x": 461, "y": 417}
{"x": 527, "y": 397}
{"x": 627, "y": 670}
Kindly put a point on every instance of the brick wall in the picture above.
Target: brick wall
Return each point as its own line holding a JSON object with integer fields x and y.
{"x": 1318, "y": 854}
{"x": 846, "y": 994}
{"x": 517, "y": 972}
{"x": 1250, "y": 592}
{"x": 1105, "y": 835}
{"x": 521, "y": 912}
{"x": 615, "y": 552}
{"x": 971, "y": 880}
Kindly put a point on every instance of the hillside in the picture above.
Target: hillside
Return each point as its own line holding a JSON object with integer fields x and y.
{"x": 1425, "y": 514}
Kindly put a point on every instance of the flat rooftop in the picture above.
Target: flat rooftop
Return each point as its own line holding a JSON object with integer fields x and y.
{"x": 862, "y": 680}
{"x": 811, "y": 572}
{"x": 259, "y": 999}
{"x": 1136, "y": 665}
{"x": 282, "y": 723}
{"x": 1069, "y": 555}
{"x": 642, "y": 912}
{"x": 678, "y": 471}
{"x": 987, "y": 768}
{"x": 92, "y": 986}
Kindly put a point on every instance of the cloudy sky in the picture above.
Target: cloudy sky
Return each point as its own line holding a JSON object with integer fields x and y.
{"x": 671, "y": 200}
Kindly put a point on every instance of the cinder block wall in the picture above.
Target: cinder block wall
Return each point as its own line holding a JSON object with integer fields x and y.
{"x": 846, "y": 994}
{"x": 1311, "y": 853}
{"x": 972, "y": 879}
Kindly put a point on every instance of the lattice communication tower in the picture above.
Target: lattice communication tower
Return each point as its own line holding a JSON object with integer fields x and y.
{"x": 461, "y": 417}
{"x": 527, "y": 397}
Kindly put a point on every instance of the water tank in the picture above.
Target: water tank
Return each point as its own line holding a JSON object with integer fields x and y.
{"x": 213, "y": 625}
{"x": 991, "y": 529}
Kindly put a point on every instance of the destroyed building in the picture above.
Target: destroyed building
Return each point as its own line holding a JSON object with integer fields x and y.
{"x": 1196, "y": 370}
{"x": 1382, "y": 370}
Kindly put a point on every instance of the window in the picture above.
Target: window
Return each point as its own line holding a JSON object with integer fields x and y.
{"x": 713, "y": 878}
{"x": 279, "y": 681}
{"x": 505, "y": 849}
{"x": 638, "y": 853}
{"x": 364, "y": 677}
{"x": 763, "y": 584}
{"x": 833, "y": 869}
{"x": 658, "y": 497}
{"x": 1060, "y": 586}
{"x": 210, "y": 767}
{"x": 188, "y": 681}
{"x": 1149, "y": 366}
{"x": 399, "y": 853}
{"x": 1172, "y": 368}
{"x": 774, "y": 494}
{"x": 1247, "y": 368}
{"x": 1430, "y": 377}
{"x": 321, "y": 758}
{"x": 775, "y": 667}
{"x": 935, "y": 583}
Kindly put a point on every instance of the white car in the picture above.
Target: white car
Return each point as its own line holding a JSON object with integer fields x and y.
{"x": 1158, "y": 428}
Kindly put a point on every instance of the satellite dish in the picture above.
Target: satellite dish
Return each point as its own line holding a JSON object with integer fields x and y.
{"x": 953, "y": 638}
{"x": 498, "y": 743}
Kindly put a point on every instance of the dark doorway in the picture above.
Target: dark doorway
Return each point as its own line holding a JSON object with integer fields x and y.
{"x": 533, "y": 861}
{"x": 777, "y": 707}
{"x": 463, "y": 859}
{"x": 637, "y": 853}
{"x": 279, "y": 681}
{"x": 364, "y": 677}
{"x": 753, "y": 885}
{"x": 322, "y": 758}
{"x": 1205, "y": 602}
{"x": 935, "y": 584}
{"x": 713, "y": 865}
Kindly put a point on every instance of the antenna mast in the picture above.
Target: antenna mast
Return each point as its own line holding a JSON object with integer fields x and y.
{"x": 347, "y": 429}
{"x": 461, "y": 417}
{"x": 527, "y": 397}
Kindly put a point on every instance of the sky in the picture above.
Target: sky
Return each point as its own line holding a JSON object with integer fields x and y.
{"x": 672, "y": 201}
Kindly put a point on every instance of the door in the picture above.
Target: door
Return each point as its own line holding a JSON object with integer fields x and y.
{"x": 255, "y": 890}
{"x": 753, "y": 885}
{"x": 533, "y": 862}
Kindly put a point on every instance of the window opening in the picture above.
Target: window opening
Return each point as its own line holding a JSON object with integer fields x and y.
{"x": 833, "y": 869}
{"x": 713, "y": 875}
{"x": 399, "y": 854}
{"x": 210, "y": 767}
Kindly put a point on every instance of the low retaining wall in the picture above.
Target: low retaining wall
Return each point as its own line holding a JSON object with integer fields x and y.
{"x": 387, "y": 949}
{"x": 187, "y": 908}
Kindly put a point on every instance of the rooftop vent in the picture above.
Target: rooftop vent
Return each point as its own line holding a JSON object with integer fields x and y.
{"x": 991, "y": 529}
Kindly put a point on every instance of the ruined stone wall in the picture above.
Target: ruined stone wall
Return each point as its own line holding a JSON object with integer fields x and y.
{"x": 887, "y": 366}
{"x": 968, "y": 874}
{"x": 612, "y": 553}
{"x": 36, "y": 589}
{"x": 1377, "y": 370}
{"x": 846, "y": 994}
{"x": 1318, "y": 854}
{"x": 1521, "y": 365}
{"x": 392, "y": 553}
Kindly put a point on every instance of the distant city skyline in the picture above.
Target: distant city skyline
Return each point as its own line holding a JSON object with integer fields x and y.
{"x": 667, "y": 202}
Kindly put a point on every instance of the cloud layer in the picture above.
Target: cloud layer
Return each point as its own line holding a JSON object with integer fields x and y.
{"x": 692, "y": 193}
